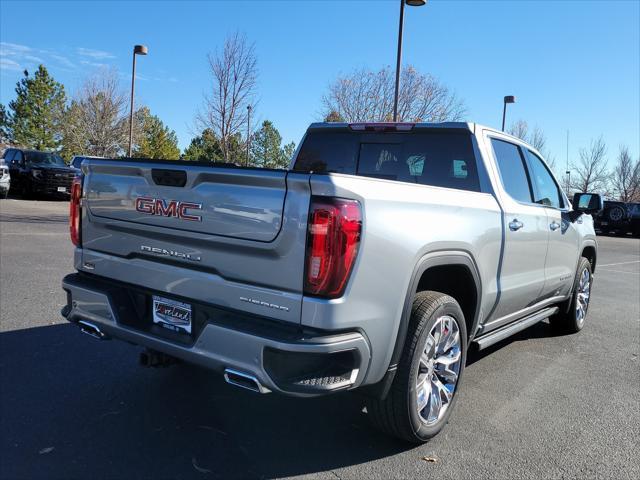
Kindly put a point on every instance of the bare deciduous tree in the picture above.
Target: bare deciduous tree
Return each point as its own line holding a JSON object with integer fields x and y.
{"x": 235, "y": 74}
{"x": 590, "y": 173}
{"x": 365, "y": 96}
{"x": 96, "y": 122}
{"x": 520, "y": 129}
{"x": 626, "y": 177}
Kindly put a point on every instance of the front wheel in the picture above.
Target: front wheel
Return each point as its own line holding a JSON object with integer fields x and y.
{"x": 573, "y": 312}
{"x": 422, "y": 395}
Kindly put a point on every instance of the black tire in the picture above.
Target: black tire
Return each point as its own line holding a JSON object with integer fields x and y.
{"x": 397, "y": 414}
{"x": 616, "y": 214}
{"x": 4, "y": 194}
{"x": 568, "y": 320}
{"x": 27, "y": 193}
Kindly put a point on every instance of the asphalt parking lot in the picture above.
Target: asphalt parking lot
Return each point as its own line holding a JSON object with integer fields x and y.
{"x": 534, "y": 406}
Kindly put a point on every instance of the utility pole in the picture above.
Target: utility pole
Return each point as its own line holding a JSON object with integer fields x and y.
{"x": 411, "y": 3}
{"x": 137, "y": 50}
{"x": 507, "y": 99}
{"x": 248, "y": 133}
{"x": 568, "y": 172}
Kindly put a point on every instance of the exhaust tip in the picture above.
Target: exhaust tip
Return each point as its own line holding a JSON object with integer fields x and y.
{"x": 244, "y": 380}
{"x": 92, "y": 330}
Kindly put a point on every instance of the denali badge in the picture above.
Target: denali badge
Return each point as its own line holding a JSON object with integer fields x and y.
{"x": 264, "y": 304}
{"x": 173, "y": 208}
{"x": 169, "y": 253}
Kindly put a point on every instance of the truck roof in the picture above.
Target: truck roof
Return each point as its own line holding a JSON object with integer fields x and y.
{"x": 405, "y": 126}
{"x": 350, "y": 126}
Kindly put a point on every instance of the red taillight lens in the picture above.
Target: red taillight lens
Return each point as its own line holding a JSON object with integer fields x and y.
{"x": 74, "y": 211}
{"x": 333, "y": 238}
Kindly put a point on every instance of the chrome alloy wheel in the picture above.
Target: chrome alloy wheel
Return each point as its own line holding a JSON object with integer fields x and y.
{"x": 584, "y": 292}
{"x": 438, "y": 370}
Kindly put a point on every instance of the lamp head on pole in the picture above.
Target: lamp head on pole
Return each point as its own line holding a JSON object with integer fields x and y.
{"x": 510, "y": 99}
{"x": 140, "y": 50}
{"x": 415, "y": 3}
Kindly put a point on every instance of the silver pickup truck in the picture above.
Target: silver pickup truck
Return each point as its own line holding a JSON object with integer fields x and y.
{"x": 374, "y": 263}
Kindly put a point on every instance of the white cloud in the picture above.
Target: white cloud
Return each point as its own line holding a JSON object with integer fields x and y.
{"x": 8, "y": 64}
{"x": 94, "y": 64}
{"x": 32, "y": 58}
{"x": 64, "y": 61}
{"x": 95, "y": 54}
{"x": 13, "y": 49}
{"x": 16, "y": 57}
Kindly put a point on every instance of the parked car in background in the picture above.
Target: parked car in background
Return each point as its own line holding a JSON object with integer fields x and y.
{"x": 619, "y": 217}
{"x": 77, "y": 160}
{"x": 5, "y": 179}
{"x": 38, "y": 173}
{"x": 374, "y": 263}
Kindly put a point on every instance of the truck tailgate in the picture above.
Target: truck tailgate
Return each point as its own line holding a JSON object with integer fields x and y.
{"x": 236, "y": 203}
{"x": 241, "y": 229}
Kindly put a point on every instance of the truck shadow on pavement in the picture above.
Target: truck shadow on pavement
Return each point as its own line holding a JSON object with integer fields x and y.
{"x": 75, "y": 407}
{"x": 539, "y": 330}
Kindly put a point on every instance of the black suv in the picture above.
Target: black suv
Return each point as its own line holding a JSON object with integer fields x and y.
{"x": 619, "y": 217}
{"x": 38, "y": 173}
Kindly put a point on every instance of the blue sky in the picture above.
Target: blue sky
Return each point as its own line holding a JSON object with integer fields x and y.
{"x": 572, "y": 65}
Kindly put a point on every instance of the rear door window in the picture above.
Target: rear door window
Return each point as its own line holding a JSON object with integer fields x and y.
{"x": 436, "y": 158}
{"x": 546, "y": 191}
{"x": 512, "y": 170}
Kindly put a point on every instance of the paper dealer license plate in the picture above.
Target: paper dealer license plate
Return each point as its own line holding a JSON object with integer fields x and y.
{"x": 172, "y": 314}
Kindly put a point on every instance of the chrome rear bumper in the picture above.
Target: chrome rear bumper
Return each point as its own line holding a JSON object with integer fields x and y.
{"x": 302, "y": 364}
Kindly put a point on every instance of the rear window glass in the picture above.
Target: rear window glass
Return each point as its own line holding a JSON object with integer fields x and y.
{"x": 436, "y": 158}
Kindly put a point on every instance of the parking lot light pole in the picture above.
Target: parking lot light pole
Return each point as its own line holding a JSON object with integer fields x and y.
{"x": 248, "y": 132}
{"x": 137, "y": 50}
{"x": 411, "y": 3}
{"x": 507, "y": 99}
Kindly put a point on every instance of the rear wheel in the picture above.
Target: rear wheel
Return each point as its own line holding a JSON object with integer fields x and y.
{"x": 573, "y": 313}
{"x": 422, "y": 395}
{"x": 616, "y": 214}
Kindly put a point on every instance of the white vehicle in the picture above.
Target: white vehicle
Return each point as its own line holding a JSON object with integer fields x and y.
{"x": 5, "y": 179}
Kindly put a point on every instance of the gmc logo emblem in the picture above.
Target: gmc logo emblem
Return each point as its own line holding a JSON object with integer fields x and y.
{"x": 173, "y": 208}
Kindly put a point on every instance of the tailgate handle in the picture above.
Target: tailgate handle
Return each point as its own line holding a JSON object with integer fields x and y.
{"x": 169, "y": 178}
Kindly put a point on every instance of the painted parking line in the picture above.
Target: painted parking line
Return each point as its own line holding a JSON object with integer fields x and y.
{"x": 620, "y": 263}
{"x": 616, "y": 271}
{"x": 34, "y": 234}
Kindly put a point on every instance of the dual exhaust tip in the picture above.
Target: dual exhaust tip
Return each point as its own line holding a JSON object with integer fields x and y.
{"x": 151, "y": 358}
{"x": 244, "y": 380}
{"x": 92, "y": 330}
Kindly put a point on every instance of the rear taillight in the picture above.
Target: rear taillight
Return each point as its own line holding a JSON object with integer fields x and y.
{"x": 333, "y": 238}
{"x": 75, "y": 211}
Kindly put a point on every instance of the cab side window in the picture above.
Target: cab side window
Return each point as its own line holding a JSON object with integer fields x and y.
{"x": 17, "y": 158}
{"x": 512, "y": 170}
{"x": 8, "y": 156}
{"x": 545, "y": 189}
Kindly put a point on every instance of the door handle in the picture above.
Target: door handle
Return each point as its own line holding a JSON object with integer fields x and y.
{"x": 554, "y": 226}
{"x": 515, "y": 225}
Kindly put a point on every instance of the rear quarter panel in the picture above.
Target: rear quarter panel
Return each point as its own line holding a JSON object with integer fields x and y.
{"x": 403, "y": 222}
